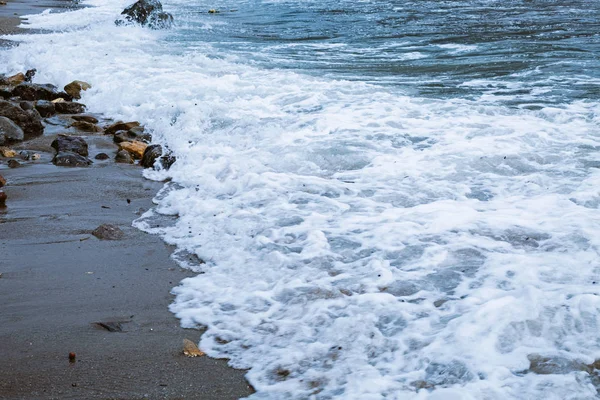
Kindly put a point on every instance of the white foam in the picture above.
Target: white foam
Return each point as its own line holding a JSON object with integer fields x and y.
{"x": 335, "y": 217}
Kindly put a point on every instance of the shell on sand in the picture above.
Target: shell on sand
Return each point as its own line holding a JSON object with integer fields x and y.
{"x": 190, "y": 349}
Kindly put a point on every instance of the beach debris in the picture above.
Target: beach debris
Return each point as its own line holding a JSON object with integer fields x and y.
{"x": 45, "y": 108}
{"x": 111, "y": 326}
{"x": 86, "y": 126}
{"x": 74, "y": 144}
{"x": 9, "y": 131}
{"x": 72, "y": 357}
{"x": 33, "y": 92}
{"x": 123, "y": 157}
{"x": 30, "y": 121}
{"x": 74, "y": 88}
{"x": 120, "y": 126}
{"x": 69, "y": 107}
{"x": 190, "y": 349}
{"x": 135, "y": 148}
{"x": 108, "y": 232}
{"x": 16, "y": 79}
{"x": 69, "y": 159}
{"x": 8, "y": 153}
{"x": 146, "y": 13}
{"x": 3, "y": 198}
{"x": 102, "y": 156}
{"x": 2, "y": 181}
{"x": 13, "y": 164}
{"x": 135, "y": 133}
{"x": 85, "y": 118}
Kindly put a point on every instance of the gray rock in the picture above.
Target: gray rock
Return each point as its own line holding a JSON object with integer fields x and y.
{"x": 68, "y": 159}
{"x": 151, "y": 154}
{"x": 45, "y": 108}
{"x": 9, "y": 131}
{"x": 146, "y": 13}
{"x": 108, "y": 232}
{"x": 74, "y": 144}
{"x": 124, "y": 157}
{"x": 69, "y": 107}
{"x": 30, "y": 121}
{"x": 26, "y": 105}
{"x": 102, "y": 156}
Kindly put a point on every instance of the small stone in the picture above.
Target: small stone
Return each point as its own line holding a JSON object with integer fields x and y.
{"x": 74, "y": 144}
{"x": 120, "y": 126}
{"x": 59, "y": 100}
{"x": 151, "y": 154}
{"x": 16, "y": 79}
{"x": 2, "y": 181}
{"x": 135, "y": 148}
{"x": 72, "y": 357}
{"x": 86, "y": 126}
{"x": 8, "y": 153}
{"x": 9, "y": 131}
{"x": 69, "y": 107}
{"x": 13, "y": 164}
{"x": 35, "y": 156}
{"x": 25, "y": 155}
{"x": 3, "y": 198}
{"x": 86, "y": 118}
{"x": 102, "y": 156}
{"x": 74, "y": 88}
{"x": 45, "y": 108}
{"x": 123, "y": 157}
{"x": 190, "y": 349}
{"x": 108, "y": 232}
{"x": 26, "y": 105}
{"x": 68, "y": 159}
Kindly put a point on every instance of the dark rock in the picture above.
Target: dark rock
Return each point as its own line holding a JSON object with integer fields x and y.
{"x": 68, "y": 107}
{"x": 29, "y": 74}
{"x": 108, "y": 232}
{"x": 123, "y": 156}
{"x": 3, "y": 198}
{"x": 13, "y": 164}
{"x": 102, "y": 156}
{"x": 74, "y": 88}
{"x": 2, "y": 181}
{"x": 45, "y": 108}
{"x": 68, "y": 159}
{"x": 151, "y": 154}
{"x": 26, "y": 105}
{"x": 30, "y": 121}
{"x": 9, "y": 131}
{"x": 86, "y": 126}
{"x": 111, "y": 326}
{"x": 74, "y": 144}
{"x": 120, "y": 126}
{"x": 32, "y": 92}
{"x": 146, "y": 13}
{"x": 133, "y": 134}
{"x": 6, "y": 92}
{"x": 25, "y": 155}
{"x": 85, "y": 118}
{"x": 167, "y": 161}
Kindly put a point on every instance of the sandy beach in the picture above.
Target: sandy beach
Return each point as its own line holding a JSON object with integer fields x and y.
{"x": 57, "y": 281}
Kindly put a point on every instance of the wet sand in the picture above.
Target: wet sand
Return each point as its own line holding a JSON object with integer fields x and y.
{"x": 57, "y": 280}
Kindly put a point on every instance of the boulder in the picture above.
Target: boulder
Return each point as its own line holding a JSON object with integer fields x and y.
{"x": 133, "y": 134}
{"x": 102, "y": 156}
{"x": 74, "y": 88}
{"x": 108, "y": 232}
{"x": 86, "y": 126}
{"x": 123, "y": 157}
{"x": 85, "y": 118}
{"x": 68, "y": 107}
{"x": 74, "y": 144}
{"x": 68, "y": 159}
{"x": 30, "y": 121}
{"x": 146, "y": 13}
{"x": 9, "y": 131}
{"x": 32, "y": 92}
{"x": 26, "y": 105}
{"x": 151, "y": 154}
{"x": 120, "y": 126}
{"x": 135, "y": 148}
{"x": 16, "y": 79}
{"x": 45, "y": 108}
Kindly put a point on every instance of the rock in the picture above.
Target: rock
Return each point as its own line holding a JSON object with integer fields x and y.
{"x": 29, "y": 74}
{"x": 102, "y": 156}
{"x": 9, "y": 131}
{"x": 120, "y": 126}
{"x": 74, "y": 88}
{"x": 146, "y": 13}
{"x": 151, "y": 154}
{"x": 86, "y": 126}
{"x": 35, "y": 156}
{"x": 30, "y": 121}
{"x": 133, "y": 134}
{"x": 8, "y": 153}
{"x": 25, "y": 155}
{"x": 5, "y": 92}
{"x": 16, "y": 79}
{"x": 190, "y": 349}
{"x": 69, "y": 107}
{"x": 135, "y": 148}
{"x": 59, "y": 100}
{"x": 13, "y": 164}
{"x": 45, "y": 108}
{"x": 108, "y": 232}
{"x": 85, "y": 118}
{"x": 554, "y": 365}
{"x": 74, "y": 144}
{"x": 68, "y": 159}
{"x": 26, "y": 105}
{"x": 167, "y": 161}
{"x": 123, "y": 157}
{"x": 3, "y": 198}
{"x": 111, "y": 326}
{"x": 32, "y": 92}
{"x": 2, "y": 181}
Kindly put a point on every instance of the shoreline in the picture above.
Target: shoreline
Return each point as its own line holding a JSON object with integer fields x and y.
{"x": 57, "y": 281}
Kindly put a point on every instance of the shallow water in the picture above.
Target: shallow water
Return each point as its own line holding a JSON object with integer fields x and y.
{"x": 393, "y": 200}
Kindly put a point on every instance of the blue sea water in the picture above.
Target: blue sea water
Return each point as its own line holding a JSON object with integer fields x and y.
{"x": 394, "y": 200}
